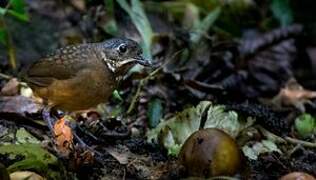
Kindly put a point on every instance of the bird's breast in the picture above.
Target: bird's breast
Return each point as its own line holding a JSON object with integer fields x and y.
{"x": 87, "y": 89}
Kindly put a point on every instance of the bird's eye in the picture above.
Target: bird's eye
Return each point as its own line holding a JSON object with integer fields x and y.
{"x": 122, "y": 48}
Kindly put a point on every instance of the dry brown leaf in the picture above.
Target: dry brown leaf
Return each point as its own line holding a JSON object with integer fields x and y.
{"x": 293, "y": 94}
{"x": 22, "y": 175}
{"x": 11, "y": 88}
{"x": 64, "y": 137}
{"x": 19, "y": 105}
{"x": 79, "y": 4}
{"x": 81, "y": 158}
{"x": 121, "y": 154}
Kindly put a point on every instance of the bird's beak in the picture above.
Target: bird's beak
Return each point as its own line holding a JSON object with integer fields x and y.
{"x": 139, "y": 60}
{"x": 145, "y": 62}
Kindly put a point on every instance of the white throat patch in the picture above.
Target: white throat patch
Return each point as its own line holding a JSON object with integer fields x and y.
{"x": 109, "y": 63}
{"x": 113, "y": 65}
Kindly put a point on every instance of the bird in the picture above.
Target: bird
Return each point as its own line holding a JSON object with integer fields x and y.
{"x": 79, "y": 77}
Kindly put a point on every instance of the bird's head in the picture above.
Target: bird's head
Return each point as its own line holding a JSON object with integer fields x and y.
{"x": 120, "y": 54}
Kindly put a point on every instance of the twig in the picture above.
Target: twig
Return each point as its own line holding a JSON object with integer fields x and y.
{"x": 9, "y": 42}
{"x": 4, "y": 76}
{"x": 140, "y": 85}
{"x": 132, "y": 105}
{"x": 144, "y": 81}
{"x": 292, "y": 151}
{"x": 269, "y": 135}
{"x": 278, "y": 139}
{"x": 301, "y": 142}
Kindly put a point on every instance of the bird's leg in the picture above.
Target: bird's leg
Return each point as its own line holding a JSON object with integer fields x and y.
{"x": 46, "y": 113}
{"x": 48, "y": 118}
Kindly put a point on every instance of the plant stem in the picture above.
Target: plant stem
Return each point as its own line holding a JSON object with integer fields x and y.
{"x": 4, "y": 76}
{"x": 8, "y": 41}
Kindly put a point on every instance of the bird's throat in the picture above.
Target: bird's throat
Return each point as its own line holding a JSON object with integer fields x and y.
{"x": 111, "y": 65}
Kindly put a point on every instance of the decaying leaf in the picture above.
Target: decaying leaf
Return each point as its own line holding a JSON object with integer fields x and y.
{"x": 31, "y": 157}
{"x": 253, "y": 151}
{"x": 64, "y": 136}
{"x": 172, "y": 133}
{"x": 24, "y": 136}
{"x": 20, "y": 136}
{"x": 15, "y": 87}
{"x": 79, "y": 4}
{"x": 22, "y": 175}
{"x": 293, "y": 94}
{"x": 19, "y": 105}
{"x": 121, "y": 154}
{"x": 11, "y": 88}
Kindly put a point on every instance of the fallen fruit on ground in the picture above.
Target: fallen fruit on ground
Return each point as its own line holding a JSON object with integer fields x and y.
{"x": 210, "y": 152}
{"x": 297, "y": 176}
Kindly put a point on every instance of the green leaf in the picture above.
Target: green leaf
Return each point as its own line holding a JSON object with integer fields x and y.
{"x": 116, "y": 95}
{"x": 282, "y": 11}
{"x": 154, "y": 112}
{"x": 139, "y": 18}
{"x": 191, "y": 17}
{"x": 31, "y": 157}
{"x": 305, "y": 125}
{"x": 110, "y": 26}
{"x": 24, "y": 136}
{"x": 19, "y": 16}
{"x": 205, "y": 25}
{"x": 3, "y": 11}
{"x": 18, "y": 6}
{"x": 17, "y": 10}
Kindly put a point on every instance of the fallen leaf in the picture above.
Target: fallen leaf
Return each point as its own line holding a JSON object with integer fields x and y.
{"x": 121, "y": 154}
{"x": 19, "y": 105}
{"x": 23, "y": 136}
{"x": 81, "y": 157}
{"x": 35, "y": 158}
{"x": 172, "y": 133}
{"x": 293, "y": 94}
{"x": 22, "y": 175}
{"x": 79, "y": 4}
{"x": 11, "y": 88}
{"x": 253, "y": 151}
{"x": 64, "y": 137}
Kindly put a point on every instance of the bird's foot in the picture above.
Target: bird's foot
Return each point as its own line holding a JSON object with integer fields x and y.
{"x": 64, "y": 134}
{"x": 48, "y": 118}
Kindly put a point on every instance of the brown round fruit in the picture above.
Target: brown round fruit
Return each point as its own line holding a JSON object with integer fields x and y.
{"x": 297, "y": 176}
{"x": 210, "y": 152}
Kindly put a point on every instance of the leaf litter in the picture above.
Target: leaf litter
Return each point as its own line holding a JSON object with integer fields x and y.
{"x": 238, "y": 79}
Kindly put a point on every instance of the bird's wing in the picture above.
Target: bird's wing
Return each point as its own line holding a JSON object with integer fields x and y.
{"x": 63, "y": 64}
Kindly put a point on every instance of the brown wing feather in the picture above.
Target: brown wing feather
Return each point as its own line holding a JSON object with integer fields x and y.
{"x": 63, "y": 64}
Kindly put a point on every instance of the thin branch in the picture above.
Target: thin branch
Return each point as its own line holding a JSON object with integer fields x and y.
{"x": 4, "y": 76}
{"x": 144, "y": 81}
{"x": 278, "y": 139}
{"x": 301, "y": 142}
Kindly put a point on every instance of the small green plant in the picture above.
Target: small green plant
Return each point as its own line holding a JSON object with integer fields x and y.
{"x": 305, "y": 125}
{"x": 16, "y": 9}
